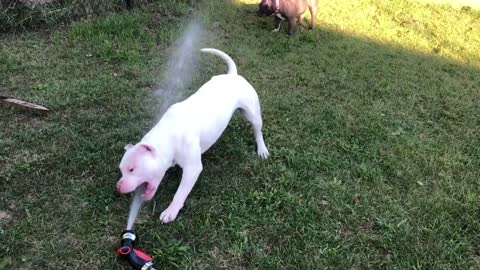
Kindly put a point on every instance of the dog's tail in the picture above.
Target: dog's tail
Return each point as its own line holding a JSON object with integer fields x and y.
{"x": 232, "y": 68}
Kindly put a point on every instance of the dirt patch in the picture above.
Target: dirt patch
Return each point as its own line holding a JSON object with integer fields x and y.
{"x": 345, "y": 232}
{"x": 5, "y": 216}
{"x": 367, "y": 227}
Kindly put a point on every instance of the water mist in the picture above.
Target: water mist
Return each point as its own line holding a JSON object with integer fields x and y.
{"x": 136, "y": 205}
{"x": 180, "y": 68}
{"x": 177, "y": 78}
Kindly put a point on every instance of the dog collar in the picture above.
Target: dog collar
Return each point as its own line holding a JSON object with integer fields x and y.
{"x": 277, "y": 6}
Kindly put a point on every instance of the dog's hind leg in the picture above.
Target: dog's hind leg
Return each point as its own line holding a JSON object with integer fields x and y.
{"x": 251, "y": 110}
{"x": 300, "y": 19}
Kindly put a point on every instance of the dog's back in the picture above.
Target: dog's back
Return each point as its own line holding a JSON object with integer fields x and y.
{"x": 208, "y": 111}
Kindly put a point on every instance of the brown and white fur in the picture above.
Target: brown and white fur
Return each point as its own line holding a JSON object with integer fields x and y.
{"x": 290, "y": 10}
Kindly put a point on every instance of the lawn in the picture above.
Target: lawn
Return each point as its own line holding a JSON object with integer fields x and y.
{"x": 372, "y": 120}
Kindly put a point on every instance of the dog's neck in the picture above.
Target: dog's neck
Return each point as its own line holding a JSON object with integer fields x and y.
{"x": 162, "y": 144}
{"x": 276, "y": 8}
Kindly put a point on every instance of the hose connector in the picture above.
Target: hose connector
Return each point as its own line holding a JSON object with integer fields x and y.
{"x": 136, "y": 258}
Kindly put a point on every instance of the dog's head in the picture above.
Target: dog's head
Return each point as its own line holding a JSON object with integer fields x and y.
{"x": 140, "y": 164}
{"x": 265, "y": 8}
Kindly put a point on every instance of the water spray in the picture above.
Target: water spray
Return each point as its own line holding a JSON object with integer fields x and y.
{"x": 180, "y": 68}
{"x": 178, "y": 76}
{"x": 137, "y": 259}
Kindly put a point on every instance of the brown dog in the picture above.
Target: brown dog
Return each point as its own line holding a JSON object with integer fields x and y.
{"x": 288, "y": 10}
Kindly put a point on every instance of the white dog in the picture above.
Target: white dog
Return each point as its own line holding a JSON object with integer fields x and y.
{"x": 186, "y": 131}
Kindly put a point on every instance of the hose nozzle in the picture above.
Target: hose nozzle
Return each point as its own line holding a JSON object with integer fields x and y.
{"x": 137, "y": 259}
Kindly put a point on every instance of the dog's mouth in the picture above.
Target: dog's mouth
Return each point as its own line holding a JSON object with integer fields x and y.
{"x": 142, "y": 187}
{"x": 262, "y": 13}
{"x": 147, "y": 190}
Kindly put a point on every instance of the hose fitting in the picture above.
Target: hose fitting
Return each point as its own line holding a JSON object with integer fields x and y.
{"x": 137, "y": 259}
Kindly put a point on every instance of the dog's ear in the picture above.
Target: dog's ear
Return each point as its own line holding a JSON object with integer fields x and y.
{"x": 128, "y": 146}
{"x": 148, "y": 148}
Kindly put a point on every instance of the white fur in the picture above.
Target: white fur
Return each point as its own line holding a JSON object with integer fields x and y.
{"x": 232, "y": 68}
{"x": 188, "y": 129}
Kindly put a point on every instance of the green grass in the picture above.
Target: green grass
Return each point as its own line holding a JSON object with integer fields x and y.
{"x": 20, "y": 15}
{"x": 372, "y": 121}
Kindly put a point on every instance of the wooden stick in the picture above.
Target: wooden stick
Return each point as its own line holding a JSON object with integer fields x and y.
{"x": 23, "y": 103}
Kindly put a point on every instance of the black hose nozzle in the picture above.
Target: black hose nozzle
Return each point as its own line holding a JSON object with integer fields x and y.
{"x": 137, "y": 259}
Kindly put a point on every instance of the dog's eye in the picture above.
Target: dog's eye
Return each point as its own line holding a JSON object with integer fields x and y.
{"x": 131, "y": 170}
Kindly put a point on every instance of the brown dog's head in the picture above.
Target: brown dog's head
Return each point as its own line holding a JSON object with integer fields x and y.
{"x": 265, "y": 8}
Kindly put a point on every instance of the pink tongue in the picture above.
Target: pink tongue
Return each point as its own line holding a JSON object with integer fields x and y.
{"x": 148, "y": 195}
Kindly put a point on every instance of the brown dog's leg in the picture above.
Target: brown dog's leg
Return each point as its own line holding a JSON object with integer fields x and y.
{"x": 313, "y": 11}
{"x": 300, "y": 19}
{"x": 291, "y": 25}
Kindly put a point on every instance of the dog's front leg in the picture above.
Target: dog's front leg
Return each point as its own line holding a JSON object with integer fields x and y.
{"x": 192, "y": 167}
{"x": 291, "y": 25}
{"x": 189, "y": 177}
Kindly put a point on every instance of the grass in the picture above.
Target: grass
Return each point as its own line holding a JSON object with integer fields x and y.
{"x": 24, "y": 15}
{"x": 372, "y": 121}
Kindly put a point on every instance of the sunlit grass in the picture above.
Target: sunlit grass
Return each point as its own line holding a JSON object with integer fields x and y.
{"x": 455, "y": 3}
{"x": 420, "y": 26}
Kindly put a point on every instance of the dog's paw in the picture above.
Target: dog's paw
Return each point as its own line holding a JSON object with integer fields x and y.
{"x": 169, "y": 215}
{"x": 275, "y": 30}
{"x": 263, "y": 152}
